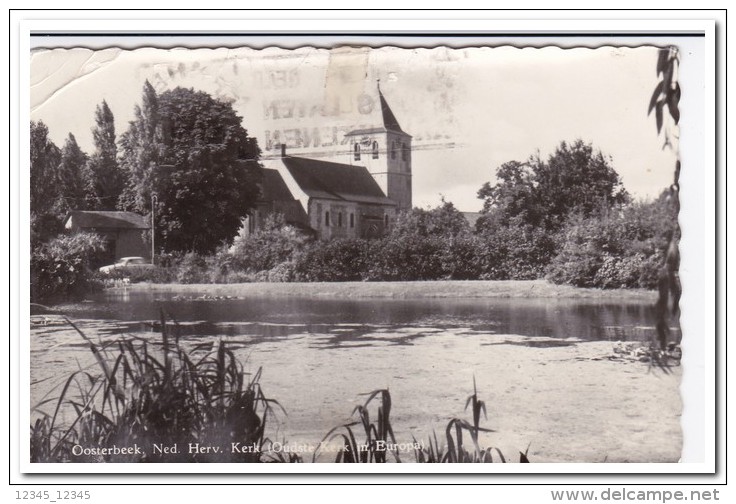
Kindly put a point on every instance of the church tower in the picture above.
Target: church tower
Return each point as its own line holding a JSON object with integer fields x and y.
{"x": 385, "y": 150}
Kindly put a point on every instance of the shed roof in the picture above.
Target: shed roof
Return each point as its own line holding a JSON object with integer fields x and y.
{"x": 105, "y": 219}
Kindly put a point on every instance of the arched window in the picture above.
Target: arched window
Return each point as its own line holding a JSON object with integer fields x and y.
{"x": 352, "y": 220}
{"x": 327, "y": 218}
{"x": 339, "y": 219}
{"x": 393, "y": 149}
{"x": 375, "y": 150}
{"x": 385, "y": 220}
{"x": 356, "y": 152}
{"x": 404, "y": 152}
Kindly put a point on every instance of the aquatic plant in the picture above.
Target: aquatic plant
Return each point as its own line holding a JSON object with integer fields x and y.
{"x": 161, "y": 402}
{"x": 377, "y": 434}
{"x": 164, "y": 404}
{"x": 458, "y": 452}
{"x": 379, "y": 437}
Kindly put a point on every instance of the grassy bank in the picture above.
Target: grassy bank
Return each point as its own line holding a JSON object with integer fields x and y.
{"x": 427, "y": 289}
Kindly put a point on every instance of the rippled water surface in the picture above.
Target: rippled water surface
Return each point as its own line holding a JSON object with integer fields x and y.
{"x": 276, "y": 317}
{"x": 319, "y": 354}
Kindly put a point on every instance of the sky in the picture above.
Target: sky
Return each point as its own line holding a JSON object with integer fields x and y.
{"x": 469, "y": 110}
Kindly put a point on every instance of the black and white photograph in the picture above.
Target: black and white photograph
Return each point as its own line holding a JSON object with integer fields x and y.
{"x": 328, "y": 252}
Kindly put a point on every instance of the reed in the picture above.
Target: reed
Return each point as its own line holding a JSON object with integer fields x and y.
{"x": 456, "y": 450}
{"x": 199, "y": 405}
{"x": 150, "y": 394}
{"x": 378, "y": 434}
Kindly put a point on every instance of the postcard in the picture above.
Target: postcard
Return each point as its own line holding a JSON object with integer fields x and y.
{"x": 323, "y": 251}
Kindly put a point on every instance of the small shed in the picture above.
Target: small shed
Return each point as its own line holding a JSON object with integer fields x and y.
{"x": 126, "y": 233}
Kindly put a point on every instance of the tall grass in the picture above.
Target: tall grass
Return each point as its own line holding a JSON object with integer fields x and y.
{"x": 379, "y": 437}
{"x": 161, "y": 402}
{"x": 378, "y": 434}
{"x": 456, "y": 451}
{"x": 144, "y": 396}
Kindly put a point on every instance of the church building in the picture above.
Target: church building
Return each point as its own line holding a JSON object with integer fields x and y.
{"x": 359, "y": 198}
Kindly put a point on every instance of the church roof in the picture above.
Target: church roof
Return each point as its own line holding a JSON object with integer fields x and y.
{"x": 324, "y": 179}
{"x": 273, "y": 187}
{"x": 390, "y": 123}
{"x": 366, "y": 131}
{"x": 389, "y": 119}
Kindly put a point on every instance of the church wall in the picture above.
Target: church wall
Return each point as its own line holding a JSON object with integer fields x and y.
{"x": 389, "y": 162}
{"x": 367, "y": 220}
{"x": 291, "y": 210}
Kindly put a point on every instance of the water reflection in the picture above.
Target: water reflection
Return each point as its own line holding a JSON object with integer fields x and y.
{"x": 335, "y": 322}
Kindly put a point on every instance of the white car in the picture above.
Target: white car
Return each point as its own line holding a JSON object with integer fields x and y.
{"x": 128, "y": 263}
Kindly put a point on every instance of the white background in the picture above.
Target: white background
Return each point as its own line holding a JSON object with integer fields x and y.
{"x": 698, "y": 279}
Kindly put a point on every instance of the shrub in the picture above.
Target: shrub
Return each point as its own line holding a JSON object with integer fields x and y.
{"x": 461, "y": 258}
{"x": 169, "y": 259}
{"x": 60, "y": 268}
{"x": 622, "y": 249}
{"x": 284, "y": 272}
{"x": 514, "y": 252}
{"x": 581, "y": 256}
{"x": 219, "y": 266}
{"x": 192, "y": 269}
{"x": 276, "y": 243}
{"x": 406, "y": 258}
{"x": 333, "y": 261}
{"x": 442, "y": 220}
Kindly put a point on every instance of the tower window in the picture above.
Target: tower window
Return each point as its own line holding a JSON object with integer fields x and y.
{"x": 352, "y": 220}
{"x": 375, "y": 150}
{"x": 327, "y": 218}
{"x": 356, "y": 152}
{"x": 404, "y": 152}
{"x": 393, "y": 150}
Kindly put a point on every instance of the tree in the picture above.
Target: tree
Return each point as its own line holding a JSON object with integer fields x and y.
{"x": 71, "y": 182}
{"x": 443, "y": 220}
{"x": 513, "y": 195}
{"x": 141, "y": 147}
{"x": 45, "y": 158}
{"x": 191, "y": 152}
{"x": 574, "y": 179}
{"x": 104, "y": 178}
{"x": 44, "y": 164}
{"x": 667, "y": 93}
